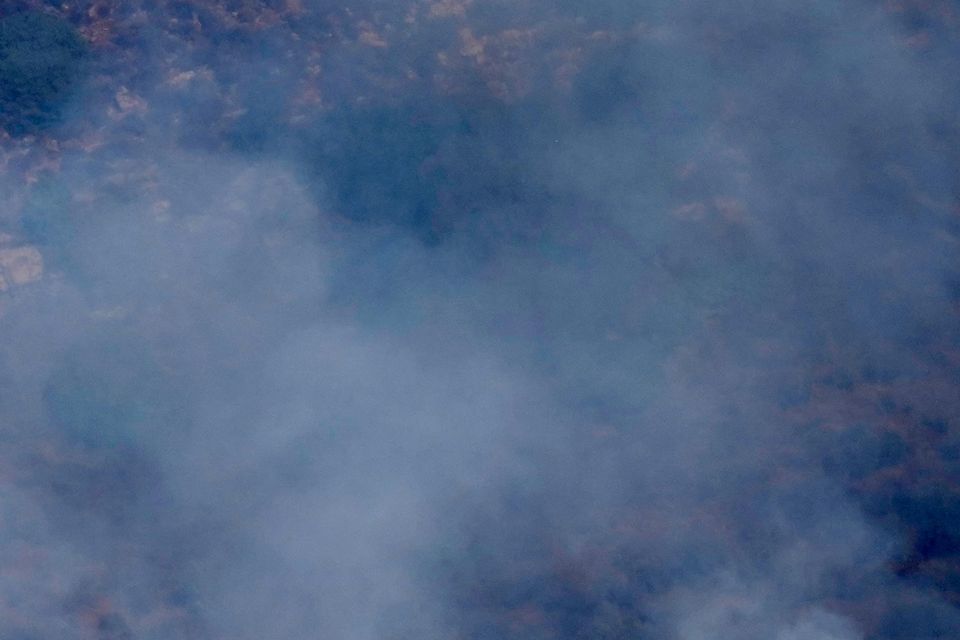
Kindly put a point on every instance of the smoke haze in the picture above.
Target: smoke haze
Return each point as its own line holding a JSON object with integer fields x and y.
{"x": 477, "y": 319}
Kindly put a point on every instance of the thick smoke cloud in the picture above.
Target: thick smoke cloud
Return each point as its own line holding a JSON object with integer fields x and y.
{"x": 485, "y": 320}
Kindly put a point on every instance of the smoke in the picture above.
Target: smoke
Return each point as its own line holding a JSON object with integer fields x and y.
{"x": 485, "y": 320}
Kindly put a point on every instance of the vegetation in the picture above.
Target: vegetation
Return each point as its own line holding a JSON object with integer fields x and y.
{"x": 40, "y": 61}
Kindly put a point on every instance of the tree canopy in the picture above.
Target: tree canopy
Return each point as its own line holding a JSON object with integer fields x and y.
{"x": 40, "y": 58}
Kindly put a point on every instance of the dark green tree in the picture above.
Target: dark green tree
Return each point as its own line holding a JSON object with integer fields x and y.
{"x": 40, "y": 63}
